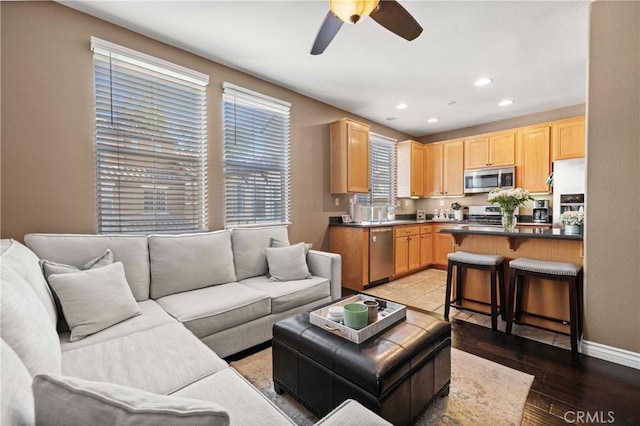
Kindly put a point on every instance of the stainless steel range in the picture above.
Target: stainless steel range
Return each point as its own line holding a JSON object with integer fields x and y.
{"x": 486, "y": 215}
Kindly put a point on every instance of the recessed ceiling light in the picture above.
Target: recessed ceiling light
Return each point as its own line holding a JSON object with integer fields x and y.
{"x": 402, "y": 106}
{"x": 483, "y": 81}
{"x": 506, "y": 102}
{"x": 432, "y": 120}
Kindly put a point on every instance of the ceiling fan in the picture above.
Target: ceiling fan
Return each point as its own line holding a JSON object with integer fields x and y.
{"x": 388, "y": 13}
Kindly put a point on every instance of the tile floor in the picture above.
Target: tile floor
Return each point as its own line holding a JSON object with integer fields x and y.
{"x": 425, "y": 290}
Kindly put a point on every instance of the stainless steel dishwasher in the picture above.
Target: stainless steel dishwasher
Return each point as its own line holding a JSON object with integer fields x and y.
{"x": 380, "y": 253}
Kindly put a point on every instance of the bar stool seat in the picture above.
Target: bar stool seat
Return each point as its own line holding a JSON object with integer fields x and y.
{"x": 462, "y": 260}
{"x": 550, "y": 270}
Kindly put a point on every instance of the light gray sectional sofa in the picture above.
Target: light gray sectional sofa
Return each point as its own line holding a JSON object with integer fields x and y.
{"x": 190, "y": 300}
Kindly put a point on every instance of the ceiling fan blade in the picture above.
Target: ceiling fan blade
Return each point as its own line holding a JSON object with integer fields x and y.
{"x": 391, "y": 15}
{"x": 327, "y": 32}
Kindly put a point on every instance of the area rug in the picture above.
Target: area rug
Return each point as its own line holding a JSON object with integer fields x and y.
{"x": 482, "y": 392}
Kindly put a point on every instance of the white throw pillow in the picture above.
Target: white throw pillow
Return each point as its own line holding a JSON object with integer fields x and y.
{"x": 49, "y": 267}
{"x": 288, "y": 263}
{"x": 95, "y": 299}
{"x": 72, "y": 401}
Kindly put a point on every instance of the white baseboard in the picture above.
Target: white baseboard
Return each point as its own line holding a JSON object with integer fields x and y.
{"x": 609, "y": 353}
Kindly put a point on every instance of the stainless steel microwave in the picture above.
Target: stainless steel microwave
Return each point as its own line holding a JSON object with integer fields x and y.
{"x": 484, "y": 180}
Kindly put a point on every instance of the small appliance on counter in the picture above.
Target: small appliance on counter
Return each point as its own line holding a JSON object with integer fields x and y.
{"x": 421, "y": 215}
{"x": 541, "y": 211}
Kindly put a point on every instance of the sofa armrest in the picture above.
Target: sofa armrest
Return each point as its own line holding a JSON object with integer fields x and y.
{"x": 327, "y": 265}
{"x": 352, "y": 413}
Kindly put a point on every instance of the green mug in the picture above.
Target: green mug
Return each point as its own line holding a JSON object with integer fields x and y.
{"x": 356, "y": 315}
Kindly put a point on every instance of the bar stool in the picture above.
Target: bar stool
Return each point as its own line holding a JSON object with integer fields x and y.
{"x": 462, "y": 260}
{"x": 556, "y": 271}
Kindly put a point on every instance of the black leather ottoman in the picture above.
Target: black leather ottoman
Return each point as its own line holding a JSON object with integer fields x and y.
{"x": 395, "y": 373}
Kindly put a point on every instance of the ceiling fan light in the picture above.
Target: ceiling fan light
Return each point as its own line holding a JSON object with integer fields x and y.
{"x": 351, "y": 11}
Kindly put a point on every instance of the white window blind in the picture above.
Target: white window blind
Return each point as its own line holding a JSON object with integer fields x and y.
{"x": 257, "y": 163}
{"x": 382, "y": 172}
{"x": 151, "y": 143}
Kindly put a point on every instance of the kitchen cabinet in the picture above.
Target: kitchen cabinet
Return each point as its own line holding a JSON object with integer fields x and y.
{"x": 406, "y": 249}
{"x": 349, "y": 157}
{"x": 442, "y": 245}
{"x": 410, "y": 169}
{"x": 352, "y": 243}
{"x": 493, "y": 150}
{"x": 426, "y": 245}
{"x": 444, "y": 168}
{"x": 534, "y": 158}
{"x": 568, "y": 138}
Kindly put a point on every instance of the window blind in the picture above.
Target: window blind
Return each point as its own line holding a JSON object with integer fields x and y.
{"x": 257, "y": 161}
{"x": 151, "y": 143}
{"x": 382, "y": 172}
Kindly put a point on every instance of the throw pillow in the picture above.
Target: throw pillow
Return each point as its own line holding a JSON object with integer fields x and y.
{"x": 273, "y": 242}
{"x": 288, "y": 263}
{"x": 94, "y": 299}
{"x": 69, "y": 400}
{"x": 49, "y": 267}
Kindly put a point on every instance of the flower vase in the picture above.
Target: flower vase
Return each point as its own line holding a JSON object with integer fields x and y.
{"x": 572, "y": 229}
{"x": 509, "y": 220}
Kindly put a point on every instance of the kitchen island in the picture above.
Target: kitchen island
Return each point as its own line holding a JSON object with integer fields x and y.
{"x": 545, "y": 303}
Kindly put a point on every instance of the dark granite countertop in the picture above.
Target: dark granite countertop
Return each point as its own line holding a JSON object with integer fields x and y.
{"x": 519, "y": 232}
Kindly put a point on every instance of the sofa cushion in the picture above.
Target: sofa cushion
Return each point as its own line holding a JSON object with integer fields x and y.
{"x": 212, "y": 309}
{"x": 95, "y": 299}
{"x": 49, "y": 267}
{"x": 20, "y": 260}
{"x": 188, "y": 262}
{"x": 244, "y": 403}
{"x": 16, "y": 403}
{"x": 287, "y": 295}
{"x": 69, "y": 400}
{"x": 162, "y": 360}
{"x": 287, "y": 263}
{"x": 75, "y": 249}
{"x": 151, "y": 316}
{"x": 248, "y": 249}
{"x": 27, "y": 328}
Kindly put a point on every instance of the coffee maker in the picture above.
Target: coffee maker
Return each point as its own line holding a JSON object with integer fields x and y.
{"x": 541, "y": 211}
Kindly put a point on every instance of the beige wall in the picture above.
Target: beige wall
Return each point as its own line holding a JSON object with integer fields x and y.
{"x": 613, "y": 164}
{"x": 48, "y": 166}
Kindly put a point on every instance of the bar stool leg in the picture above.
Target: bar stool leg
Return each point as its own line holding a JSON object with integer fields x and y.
{"x": 510, "y": 299}
{"x": 460, "y": 269}
{"x": 519, "y": 284}
{"x": 503, "y": 306}
{"x": 494, "y": 300}
{"x": 447, "y": 300}
{"x": 573, "y": 312}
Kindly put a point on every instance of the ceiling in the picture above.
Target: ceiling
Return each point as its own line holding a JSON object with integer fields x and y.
{"x": 535, "y": 51}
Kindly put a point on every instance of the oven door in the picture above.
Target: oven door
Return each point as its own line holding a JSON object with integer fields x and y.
{"x": 484, "y": 180}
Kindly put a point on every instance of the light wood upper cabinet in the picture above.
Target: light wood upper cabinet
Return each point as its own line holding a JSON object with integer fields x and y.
{"x": 568, "y": 138}
{"x": 410, "y": 169}
{"x": 444, "y": 168}
{"x": 493, "y": 150}
{"x": 453, "y": 168}
{"x": 349, "y": 157}
{"x": 433, "y": 164}
{"x": 534, "y": 158}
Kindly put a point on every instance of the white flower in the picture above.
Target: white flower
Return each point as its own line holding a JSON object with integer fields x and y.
{"x": 572, "y": 218}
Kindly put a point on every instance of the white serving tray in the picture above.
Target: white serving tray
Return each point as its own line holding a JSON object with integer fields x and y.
{"x": 394, "y": 313}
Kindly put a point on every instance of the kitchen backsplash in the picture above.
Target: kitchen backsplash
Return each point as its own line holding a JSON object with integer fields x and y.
{"x": 429, "y": 204}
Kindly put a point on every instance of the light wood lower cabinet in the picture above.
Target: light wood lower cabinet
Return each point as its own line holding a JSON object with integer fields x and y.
{"x": 442, "y": 246}
{"x": 406, "y": 249}
{"x": 426, "y": 245}
{"x": 352, "y": 243}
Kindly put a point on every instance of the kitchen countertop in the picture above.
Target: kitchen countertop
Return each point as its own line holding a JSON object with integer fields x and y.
{"x": 454, "y": 224}
{"x": 519, "y": 232}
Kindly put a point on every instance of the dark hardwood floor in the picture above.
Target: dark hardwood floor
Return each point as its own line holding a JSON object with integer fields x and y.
{"x": 567, "y": 389}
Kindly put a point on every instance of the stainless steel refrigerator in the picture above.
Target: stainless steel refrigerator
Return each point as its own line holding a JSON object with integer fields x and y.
{"x": 569, "y": 177}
